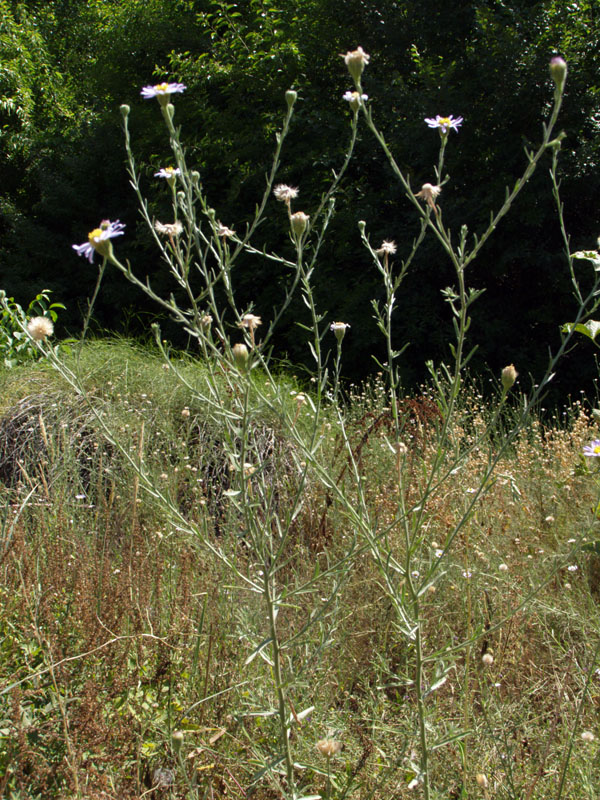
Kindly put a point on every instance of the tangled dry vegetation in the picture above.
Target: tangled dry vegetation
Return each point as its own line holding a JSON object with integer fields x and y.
{"x": 117, "y": 629}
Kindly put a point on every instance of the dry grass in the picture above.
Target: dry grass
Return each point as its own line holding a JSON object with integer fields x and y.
{"x": 117, "y": 630}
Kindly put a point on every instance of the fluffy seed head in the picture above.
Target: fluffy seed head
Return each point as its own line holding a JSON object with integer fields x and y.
{"x": 285, "y": 193}
{"x": 329, "y": 747}
{"x": 40, "y": 328}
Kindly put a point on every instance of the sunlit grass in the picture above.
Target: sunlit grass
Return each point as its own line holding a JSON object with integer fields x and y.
{"x": 118, "y": 630}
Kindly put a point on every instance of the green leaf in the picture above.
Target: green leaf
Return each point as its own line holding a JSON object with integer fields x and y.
{"x": 589, "y": 255}
{"x": 589, "y": 328}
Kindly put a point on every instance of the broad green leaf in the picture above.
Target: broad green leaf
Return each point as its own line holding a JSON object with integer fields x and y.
{"x": 589, "y": 328}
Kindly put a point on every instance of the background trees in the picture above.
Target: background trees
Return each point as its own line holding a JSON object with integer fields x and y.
{"x": 66, "y": 66}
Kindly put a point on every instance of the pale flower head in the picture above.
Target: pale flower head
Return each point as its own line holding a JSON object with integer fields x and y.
{"x": 170, "y": 229}
{"x": 339, "y": 329}
{"x": 587, "y": 736}
{"x": 444, "y": 124}
{"x": 224, "y": 231}
{"x": 329, "y": 747}
{"x": 487, "y": 659}
{"x": 162, "y": 91}
{"x": 99, "y": 240}
{"x": 388, "y": 248}
{"x": 250, "y": 321}
{"x": 429, "y": 193}
{"x": 356, "y": 61}
{"x": 355, "y": 99}
{"x": 170, "y": 173}
{"x": 40, "y": 328}
{"x": 592, "y": 449}
{"x": 285, "y": 193}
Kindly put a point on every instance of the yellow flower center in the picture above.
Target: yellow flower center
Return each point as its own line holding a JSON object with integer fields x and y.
{"x": 170, "y": 170}
{"x": 161, "y": 87}
{"x": 94, "y": 235}
{"x": 445, "y": 121}
{"x": 597, "y": 448}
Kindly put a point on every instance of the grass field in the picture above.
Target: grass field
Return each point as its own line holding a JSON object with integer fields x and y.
{"x": 130, "y": 615}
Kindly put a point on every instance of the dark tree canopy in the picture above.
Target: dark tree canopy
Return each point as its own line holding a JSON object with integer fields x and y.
{"x": 66, "y": 65}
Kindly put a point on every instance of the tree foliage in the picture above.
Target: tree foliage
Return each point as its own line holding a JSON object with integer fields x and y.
{"x": 68, "y": 64}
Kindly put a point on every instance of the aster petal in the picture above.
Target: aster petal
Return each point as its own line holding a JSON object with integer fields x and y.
{"x": 85, "y": 249}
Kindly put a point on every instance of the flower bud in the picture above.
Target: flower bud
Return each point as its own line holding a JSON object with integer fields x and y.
{"x": 290, "y": 98}
{"x": 125, "y": 109}
{"x": 339, "y": 329}
{"x": 509, "y": 376}
{"x": 299, "y": 221}
{"x": 356, "y": 60}
{"x": 240, "y": 355}
{"x": 558, "y": 71}
{"x": 177, "y": 740}
{"x": 481, "y": 780}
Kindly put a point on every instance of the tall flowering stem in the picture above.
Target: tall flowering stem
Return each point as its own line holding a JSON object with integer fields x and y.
{"x": 447, "y": 381}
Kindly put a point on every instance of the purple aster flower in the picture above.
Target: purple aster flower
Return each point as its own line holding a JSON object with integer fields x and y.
{"x": 167, "y": 172}
{"x": 444, "y": 123}
{"x": 98, "y": 240}
{"x": 592, "y": 449}
{"x": 161, "y": 90}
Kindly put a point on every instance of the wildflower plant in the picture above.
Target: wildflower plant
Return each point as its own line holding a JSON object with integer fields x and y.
{"x": 298, "y": 613}
{"x": 24, "y": 332}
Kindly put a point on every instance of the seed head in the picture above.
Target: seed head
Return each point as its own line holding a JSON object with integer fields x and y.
{"x": 285, "y": 193}
{"x": 388, "y": 248}
{"x": 429, "y": 193}
{"x": 40, "y": 328}
{"x": 329, "y": 747}
{"x": 250, "y": 321}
